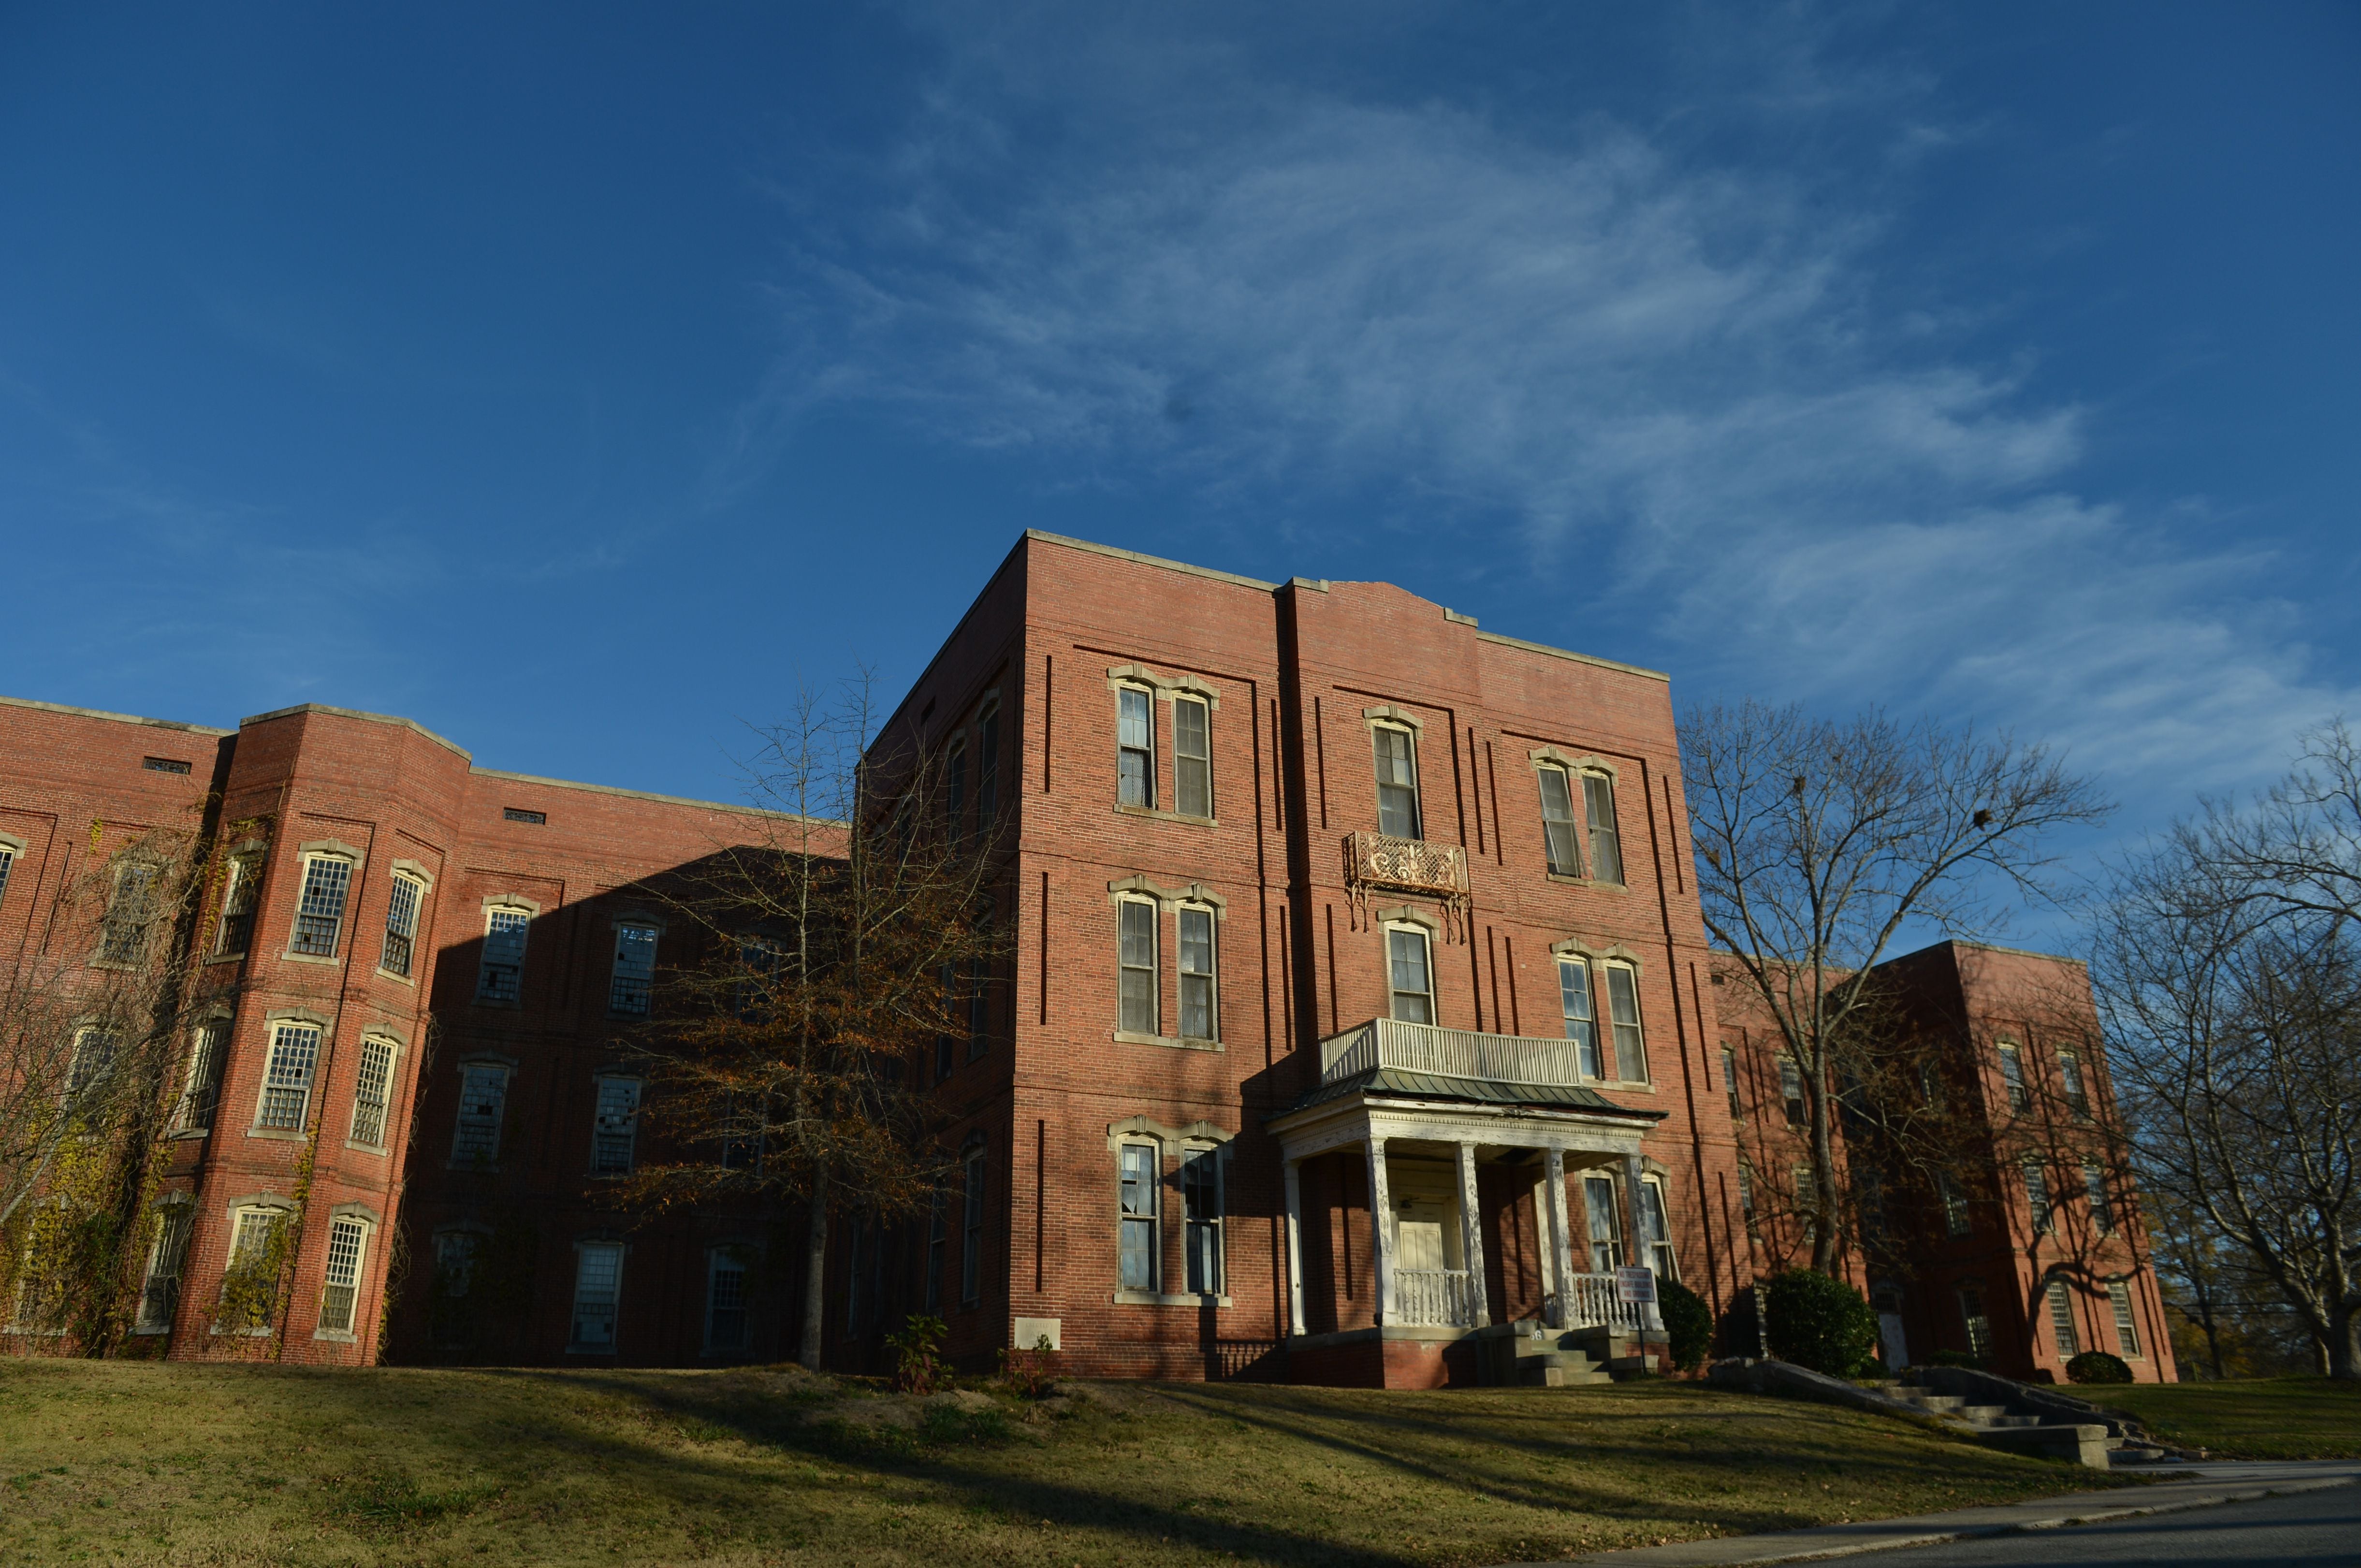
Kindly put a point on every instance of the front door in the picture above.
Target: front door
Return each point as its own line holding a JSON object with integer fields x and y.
{"x": 1890, "y": 1340}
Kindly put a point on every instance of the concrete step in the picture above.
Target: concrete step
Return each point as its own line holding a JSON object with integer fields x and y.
{"x": 2129, "y": 1454}
{"x": 1984, "y": 1415}
{"x": 2078, "y": 1444}
{"x": 1944, "y": 1403}
{"x": 2014, "y": 1421}
{"x": 1535, "y": 1373}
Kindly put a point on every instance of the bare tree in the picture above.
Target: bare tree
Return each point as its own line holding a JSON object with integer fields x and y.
{"x": 2228, "y": 967}
{"x": 791, "y": 1060}
{"x": 1821, "y": 844}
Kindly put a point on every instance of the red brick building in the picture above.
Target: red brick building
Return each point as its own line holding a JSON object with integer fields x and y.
{"x": 1358, "y": 1009}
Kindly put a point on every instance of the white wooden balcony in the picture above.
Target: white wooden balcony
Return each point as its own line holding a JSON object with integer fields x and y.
{"x": 1508, "y": 1060}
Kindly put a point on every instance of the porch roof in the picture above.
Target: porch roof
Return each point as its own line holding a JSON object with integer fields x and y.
{"x": 1411, "y": 1085}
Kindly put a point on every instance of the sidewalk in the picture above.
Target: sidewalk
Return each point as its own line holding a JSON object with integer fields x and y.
{"x": 2197, "y": 1485}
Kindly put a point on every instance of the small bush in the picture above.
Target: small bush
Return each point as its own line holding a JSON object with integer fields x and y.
{"x": 1960, "y": 1358}
{"x": 2097, "y": 1366}
{"x": 1821, "y": 1322}
{"x": 1029, "y": 1372}
{"x": 917, "y": 1359}
{"x": 1688, "y": 1324}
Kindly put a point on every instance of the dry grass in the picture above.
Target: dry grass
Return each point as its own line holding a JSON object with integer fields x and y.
{"x": 2262, "y": 1418}
{"x": 111, "y": 1461}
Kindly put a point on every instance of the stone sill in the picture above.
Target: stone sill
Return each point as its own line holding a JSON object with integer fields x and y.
{"x": 1563, "y": 881}
{"x": 277, "y": 1135}
{"x": 1126, "y": 1038}
{"x": 1162, "y": 1298}
{"x": 310, "y": 959}
{"x": 1162, "y": 816}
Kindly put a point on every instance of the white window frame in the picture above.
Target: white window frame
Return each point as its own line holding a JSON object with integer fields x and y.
{"x": 719, "y": 1261}
{"x": 1206, "y": 980}
{"x": 167, "y": 1255}
{"x": 291, "y": 1066}
{"x": 1424, "y": 939}
{"x": 473, "y": 1076}
{"x": 2101, "y": 1201}
{"x": 340, "y": 1278}
{"x": 603, "y": 1310}
{"x": 1139, "y": 745}
{"x": 406, "y": 888}
{"x": 1958, "y": 1221}
{"x": 304, "y": 932}
{"x": 2127, "y": 1335}
{"x": 1139, "y": 1210}
{"x": 1606, "y": 835}
{"x": 265, "y": 1215}
{"x": 2065, "y": 1338}
{"x": 1656, "y": 1228}
{"x": 1792, "y": 1103}
{"x": 499, "y": 969}
{"x": 11, "y": 847}
{"x": 1561, "y": 835}
{"x": 631, "y": 991}
{"x": 1977, "y": 1321}
{"x": 1603, "y": 1215}
{"x": 241, "y": 899}
{"x": 1204, "y": 1168}
{"x": 615, "y": 1124}
{"x": 2012, "y": 1074}
{"x": 380, "y": 1059}
{"x": 124, "y": 926}
{"x": 1631, "y": 1051}
{"x": 1580, "y": 1013}
{"x": 2037, "y": 1199}
{"x": 1127, "y": 952}
{"x": 2076, "y": 1088}
{"x": 1381, "y": 766}
{"x": 1193, "y": 773}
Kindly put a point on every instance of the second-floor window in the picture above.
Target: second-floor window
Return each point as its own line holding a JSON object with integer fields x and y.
{"x": 1791, "y": 1090}
{"x": 1655, "y": 1228}
{"x": 1956, "y": 1219}
{"x": 1581, "y": 1014}
{"x": 1410, "y": 974}
{"x": 202, "y": 1090}
{"x": 1729, "y": 1083}
{"x": 616, "y": 1128}
{"x": 287, "y": 1077}
{"x": 2012, "y": 1074}
{"x": 400, "y": 951}
{"x": 1137, "y": 1240}
{"x": 130, "y": 910}
{"x": 1605, "y": 1233}
{"x": 501, "y": 977}
{"x": 373, "y": 1093}
{"x": 320, "y": 909}
{"x": 483, "y": 1102}
{"x": 1606, "y": 843}
{"x": 1201, "y": 1203}
{"x": 2094, "y": 1186}
{"x": 1137, "y": 1009}
{"x": 1559, "y": 835}
{"x": 2036, "y": 1198}
{"x": 1198, "y": 1018}
{"x": 1193, "y": 758}
{"x": 241, "y": 882}
{"x": 1397, "y": 813}
{"x": 1623, "y": 1013}
{"x": 2069, "y": 1073}
{"x": 634, "y": 972}
{"x": 1135, "y": 746}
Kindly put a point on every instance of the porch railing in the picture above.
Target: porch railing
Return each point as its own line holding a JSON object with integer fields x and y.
{"x": 1591, "y": 1303}
{"x": 1448, "y": 1053}
{"x": 1429, "y": 1297}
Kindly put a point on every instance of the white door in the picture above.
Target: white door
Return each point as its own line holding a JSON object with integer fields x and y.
{"x": 1421, "y": 1244}
{"x": 1889, "y": 1336}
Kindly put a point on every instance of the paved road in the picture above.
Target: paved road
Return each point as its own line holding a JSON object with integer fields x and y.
{"x": 2310, "y": 1529}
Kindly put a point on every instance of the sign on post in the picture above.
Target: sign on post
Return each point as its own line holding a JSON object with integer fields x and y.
{"x": 1635, "y": 1287}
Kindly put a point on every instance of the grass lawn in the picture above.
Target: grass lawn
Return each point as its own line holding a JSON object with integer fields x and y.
{"x": 2267, "y": 1418}
{"x": 116, "y": 1462}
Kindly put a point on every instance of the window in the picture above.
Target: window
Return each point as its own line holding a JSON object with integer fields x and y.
{"x": 1606, "y": 845}
{"x": 1655, "y": 1230}
{"x": 1397, "y": 783}
{"x": 1581, "y": 1027}
{"x": 2062, "y": 1321}
{"x": 597, "y": 1288}
{"x": 130, "y": 908}
{"x": 1606, "y": 1234}
{"x": 483, "y": 1097}
{"x": 372, "y": 1092}
{"x": 502, "y": 975}
{"x": 2036, "y": 1199}
{"x": 937, "y": 1245}
{"x": 978, "y": 1006}
{"x": 319, "y": 911}
{"x": 160, "y": 1289}
{"x": 955, "y": 789}
{"x": 1136, "y": 1003}
{"x": 1623, "y": 1012}
{"x": 1135, "y": 747}
{"x": 758, "y": 976}
{"x": 1141, "y": 1249}
{"x": 615, "y": 1126}
{"x": 241, "y": 884}
{"x": 1971, "y": 1311}
{"x": 2103, "y": 1213}
{"x": 1791, "y": 1090}
{"x": 523, "y": 814}
{"x": 1955, "y": 1207}
{"x": 1746, "y": 1202}
{"x": 1807, "y": 1201}
{"x": 1559, "y": 833}
{"x": 202, "y": 1090}
{"x": 1869, "y": 1199}
{"x": 1198, "y": 1018}
{"x": 251, "y": 1237}
{"x": 1193, "y": 758}
{"x": 987, "y": 770}
{"x": 7, "y": 863}
{"x": 2127, "y": 1340}
{"x": 972, "y": 1241}
{"x": 2012, "y": 1072}
{"x": 1411, "y": 975}
{"x": 287, "y": 1080}
{"x": 634, "y": 972}
{"x": 725, "y": 1303}
{"x": 947, "y": 978}
{"x": 93, "y": 1062}
{"x": 1201, "y": 1204}
{"x": 1729, "y": 1083}
{"x": 399, "y": 950}
{"x": 2077, "y": 1098}
{"x": 346, "y": 1236}
{"x": 456, "y": 1254}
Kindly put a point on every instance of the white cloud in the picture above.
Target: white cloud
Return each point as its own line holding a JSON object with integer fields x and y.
{"x": 1694, "y": 370}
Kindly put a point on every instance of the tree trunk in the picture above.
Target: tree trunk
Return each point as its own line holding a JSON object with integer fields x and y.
{"x": 815, "y": 1272}
{"x": 2344, "y": 1342}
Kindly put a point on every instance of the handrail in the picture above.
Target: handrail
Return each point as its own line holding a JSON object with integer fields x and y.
{"x": 1449, "y": 1053}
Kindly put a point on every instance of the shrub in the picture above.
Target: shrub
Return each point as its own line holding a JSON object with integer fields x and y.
{"x": 1821, "y": 1322}
{"x": 2097, "y": 1366}
{"x": 918, "y": 1362}
{"x": 1688, "y": 1324}
{"x": 1029, "y": 1372}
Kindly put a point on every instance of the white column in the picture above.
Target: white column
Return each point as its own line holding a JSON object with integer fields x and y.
{"x": 1561, "y": 1237}
{"x": 1651, "y": 1317}
{"x": 1471, "y": 1235}
{"x": 1294, "y": 1246}
{"x": 1381, "y": 1235}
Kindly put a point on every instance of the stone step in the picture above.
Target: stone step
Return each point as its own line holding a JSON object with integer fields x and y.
{"x": 1945, "y": 1403}
{"x": 2014, "y": 1421}
{"x": 1983, "y": 1414}
{"x": 2079, "y": 1444}
{"x": 1535, "y": 1373}
{"x": 2129, "y": 1454}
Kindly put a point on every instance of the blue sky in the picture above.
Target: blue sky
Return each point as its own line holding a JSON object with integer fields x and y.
{"x": 573, "y": 379}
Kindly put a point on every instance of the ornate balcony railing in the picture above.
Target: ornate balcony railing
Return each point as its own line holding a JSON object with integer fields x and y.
{"x": 1448, "y": 1053}
{"x": 1380, "y": 863}
{"x": 1431, "y": 1297}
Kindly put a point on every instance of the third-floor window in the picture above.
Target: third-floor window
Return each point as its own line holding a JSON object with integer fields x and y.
{"x": 319, "y": 911}
{"x": 400, "y": 952}
{"x": 1397, "y": 813}
{"x": 1135, "y": 746}
{"x": 634, "y": 972}
{"x": 1193, "y": 758}
{"x": 1560, "y": 834}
